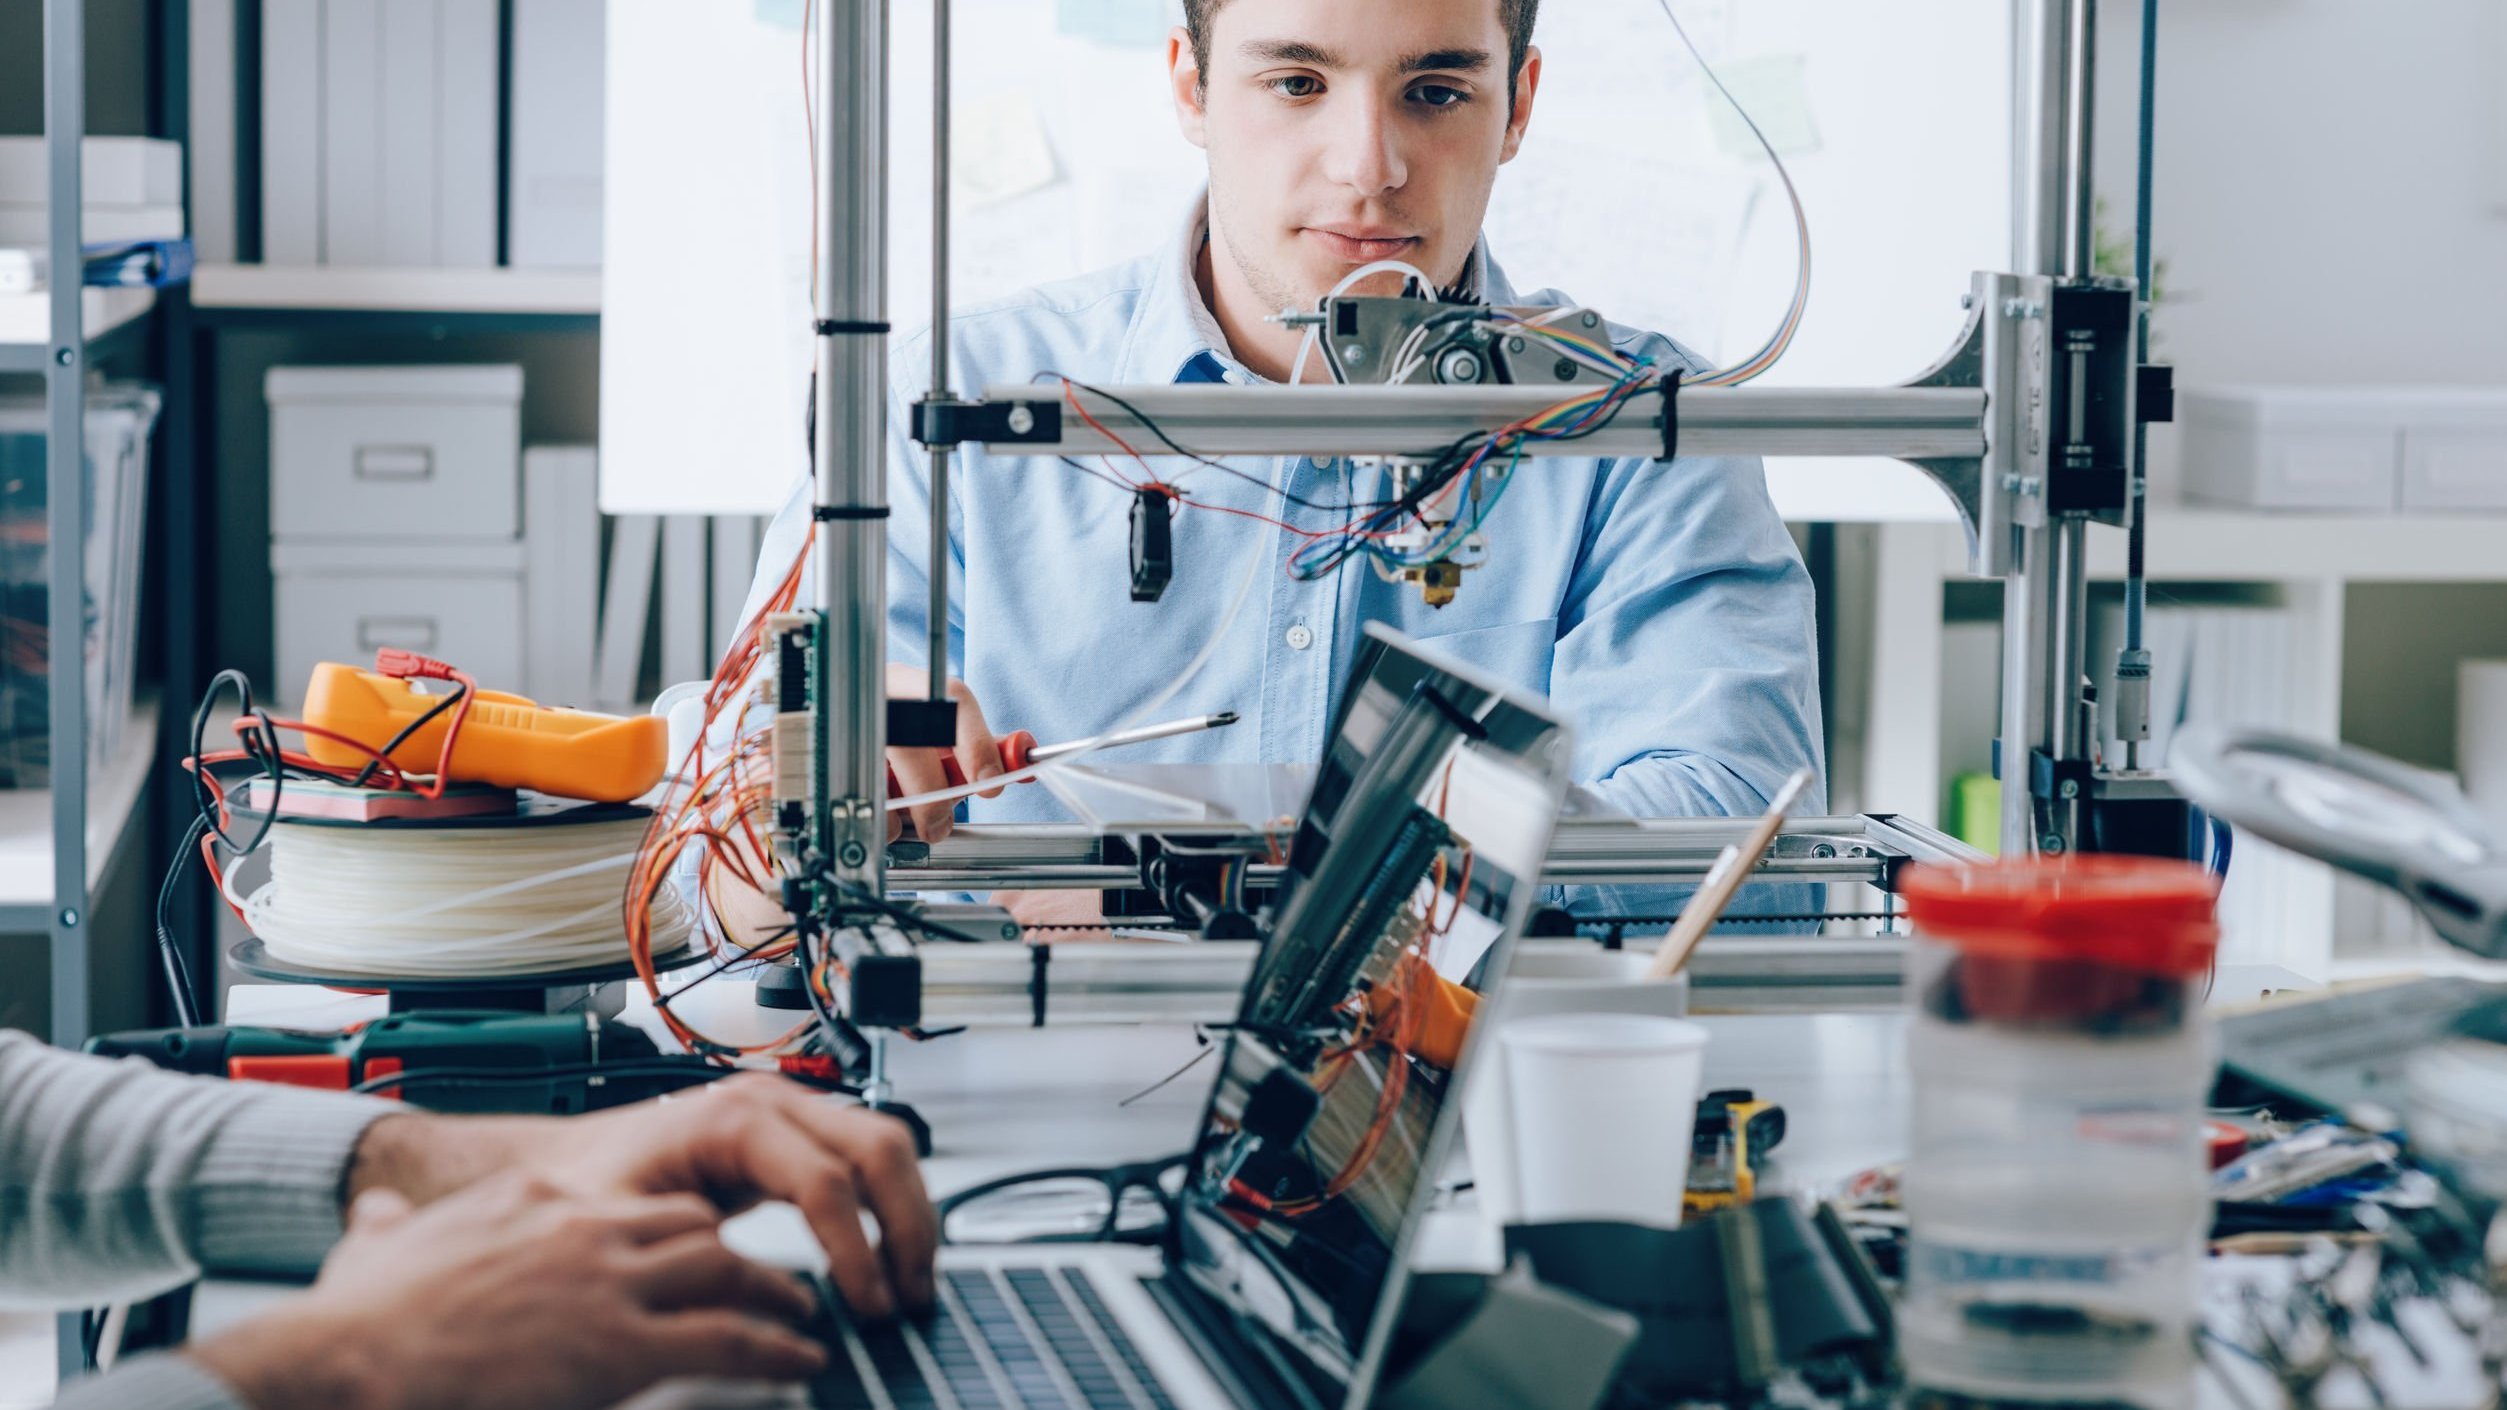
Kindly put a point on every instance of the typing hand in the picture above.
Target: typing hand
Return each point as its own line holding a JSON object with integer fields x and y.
{"x": 734, "y": 1143}
{"x": 513, "y": 1293}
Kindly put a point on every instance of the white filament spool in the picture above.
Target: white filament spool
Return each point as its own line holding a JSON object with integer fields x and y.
{"x": 454, "y": 902}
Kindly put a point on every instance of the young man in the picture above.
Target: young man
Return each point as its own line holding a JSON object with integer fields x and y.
{"x": 1662, "y": 606}
{"x": 488, "y": 1261}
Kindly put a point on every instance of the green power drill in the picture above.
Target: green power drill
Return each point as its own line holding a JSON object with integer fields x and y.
{"x": 451, "y": 1060}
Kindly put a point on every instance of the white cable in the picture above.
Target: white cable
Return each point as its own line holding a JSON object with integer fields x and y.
{"x": 452, "y": 902}
{"x": 1778, "y": 341}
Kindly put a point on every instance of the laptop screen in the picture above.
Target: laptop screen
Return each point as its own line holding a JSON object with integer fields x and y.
{"x": 1419, "y": 854}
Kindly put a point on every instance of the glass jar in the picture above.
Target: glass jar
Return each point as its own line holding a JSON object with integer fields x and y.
{"x": 2057, "y": 1179}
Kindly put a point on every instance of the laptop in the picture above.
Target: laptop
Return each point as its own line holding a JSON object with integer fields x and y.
{"x": 1281, "y": 1273}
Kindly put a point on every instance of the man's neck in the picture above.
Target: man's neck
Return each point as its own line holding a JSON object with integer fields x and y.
{"x": 1269, "y": 349}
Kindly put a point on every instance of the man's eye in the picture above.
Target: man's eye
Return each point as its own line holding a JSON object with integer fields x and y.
{"x": 1297, "y": 85}
{"x": 1438, "y": 95}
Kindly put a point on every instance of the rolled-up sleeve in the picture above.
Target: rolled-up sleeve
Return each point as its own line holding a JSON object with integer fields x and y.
{"x": 119, "y": 1181}
{"x": 1688, "y": 656}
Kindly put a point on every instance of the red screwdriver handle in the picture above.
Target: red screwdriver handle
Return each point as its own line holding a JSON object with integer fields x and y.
{"x": 1017, "y": 751}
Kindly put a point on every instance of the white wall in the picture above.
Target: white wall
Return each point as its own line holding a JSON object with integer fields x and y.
{"x": 2329, "y": 194}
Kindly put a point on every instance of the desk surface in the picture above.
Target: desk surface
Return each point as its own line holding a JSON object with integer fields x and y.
{"x": 1003, "y": 1100}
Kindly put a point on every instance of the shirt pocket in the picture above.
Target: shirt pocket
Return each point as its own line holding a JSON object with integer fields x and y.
{"x": 1517, "y": 653}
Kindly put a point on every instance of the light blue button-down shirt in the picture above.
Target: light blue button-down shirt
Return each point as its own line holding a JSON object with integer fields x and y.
{"x": 1661, "y": 606}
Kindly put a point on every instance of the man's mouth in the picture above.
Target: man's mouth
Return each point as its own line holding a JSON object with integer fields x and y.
{"x": 1358, "y": 244}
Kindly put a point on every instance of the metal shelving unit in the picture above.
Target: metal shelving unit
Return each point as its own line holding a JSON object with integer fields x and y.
{"x": 64, "y": 366}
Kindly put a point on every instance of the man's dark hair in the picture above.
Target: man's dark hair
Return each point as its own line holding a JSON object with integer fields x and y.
{"x": 1517, "y": 15}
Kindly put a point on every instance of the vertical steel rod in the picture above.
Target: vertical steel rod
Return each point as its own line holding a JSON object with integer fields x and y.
{"x": 2053, "y": 231}
{"x": 850, "y": 494}
{"x": 940, "y": 456}
{"x": 2080, "y": 98}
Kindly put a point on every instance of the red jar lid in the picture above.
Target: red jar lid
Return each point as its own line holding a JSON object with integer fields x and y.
{"x": 2140, "y": 913}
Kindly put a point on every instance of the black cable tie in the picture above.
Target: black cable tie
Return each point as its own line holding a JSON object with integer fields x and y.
{"x": 1671, "y": 413}
{"x": 828, "y": 327}
{"x": 827, "y": 513}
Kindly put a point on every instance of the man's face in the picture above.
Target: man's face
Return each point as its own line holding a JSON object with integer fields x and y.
{"x": 1346, "y": 131}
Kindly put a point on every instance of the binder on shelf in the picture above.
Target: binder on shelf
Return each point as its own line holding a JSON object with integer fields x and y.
{"x": 410, "y": 89}
{"x": 469, "y": 56}
{"x": 212, "y": 130}
{"x": 291, "y": 131}
{"x": 553, "y": 196}
{"x": 352, "y": 131}
{"x": 561, "y": 572}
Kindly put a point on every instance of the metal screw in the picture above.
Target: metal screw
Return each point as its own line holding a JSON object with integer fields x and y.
{"x": 852, "y": 854}
{"x": 1592, "y": 320}
{"x": 1460, "y": 365}
{"x": 69, "y": 918}
{"x": 2071, "y": 788}
{"x": 1021, "y": 420}
{"x": 1823, "y": 850}
{"x": 1354, "y": 353}
{"x": 1967, "y": 300}
{"x": 65, "y": 356}
{"x": 2051, "y": 844}
{"x": 1565, "y": 371}
{"x": 1514, "y": 345}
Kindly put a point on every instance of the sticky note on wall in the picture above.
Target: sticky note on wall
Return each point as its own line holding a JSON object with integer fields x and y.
{"x": 1125, "y": 24}
{"x": 1774, "y": 89}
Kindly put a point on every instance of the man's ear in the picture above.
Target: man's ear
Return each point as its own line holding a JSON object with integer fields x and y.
{"x": 1527, "y": 83}
{"x": 1183, "y": 73}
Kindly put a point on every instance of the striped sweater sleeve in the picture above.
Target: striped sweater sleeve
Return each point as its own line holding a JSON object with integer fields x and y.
{"x": 119, "y": 1181}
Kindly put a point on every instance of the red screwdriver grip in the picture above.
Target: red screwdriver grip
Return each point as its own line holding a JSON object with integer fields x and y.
{"x": 1016, "y": 749}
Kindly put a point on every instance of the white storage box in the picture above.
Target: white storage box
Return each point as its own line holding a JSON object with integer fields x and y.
{"x": 2420, "y": 449}
{"x": 112, "y": 171}
{"x": 2455, "y": 449}
{"x": 395, "y": 452}
{"x": 459, "y": 602}
{"x": 2328, "y": 448}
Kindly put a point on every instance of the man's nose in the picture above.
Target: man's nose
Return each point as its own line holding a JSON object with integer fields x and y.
{"x": 1365, "y": 150}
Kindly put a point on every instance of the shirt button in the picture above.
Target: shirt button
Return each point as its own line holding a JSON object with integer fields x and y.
{"x": 1299, "y": 637}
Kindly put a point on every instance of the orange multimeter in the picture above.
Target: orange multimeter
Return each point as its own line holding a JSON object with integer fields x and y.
{"x": 506, "y": 741}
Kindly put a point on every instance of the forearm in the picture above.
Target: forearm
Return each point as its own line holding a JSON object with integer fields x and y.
{"x": 158, "y": 1382}
{"x": 425, "y": 1157}
{"x": 119, "y": 1181}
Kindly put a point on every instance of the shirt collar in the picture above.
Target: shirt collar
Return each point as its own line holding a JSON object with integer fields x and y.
{"x": 1175, "y": 336}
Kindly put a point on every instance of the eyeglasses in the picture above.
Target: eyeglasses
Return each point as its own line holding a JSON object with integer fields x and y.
{"x": 1126, "y": 1204}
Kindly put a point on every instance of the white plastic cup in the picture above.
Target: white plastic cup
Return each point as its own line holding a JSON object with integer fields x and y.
{"x": 1602, "y": 1110}
{"x": 1579, "y": 981}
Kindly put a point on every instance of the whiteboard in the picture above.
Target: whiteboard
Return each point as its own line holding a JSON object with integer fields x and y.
{"x": 1634, "y": 192}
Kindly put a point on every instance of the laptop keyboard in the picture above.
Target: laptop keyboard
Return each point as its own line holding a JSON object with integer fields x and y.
{"x": 1000, "y": 1339}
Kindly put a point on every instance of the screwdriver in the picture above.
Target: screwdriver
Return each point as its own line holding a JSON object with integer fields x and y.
{"x": 1020, "y": 750}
